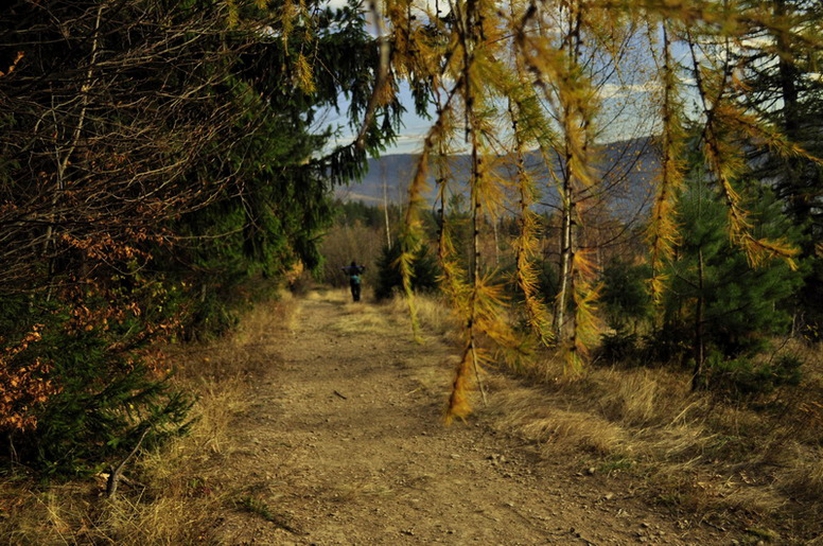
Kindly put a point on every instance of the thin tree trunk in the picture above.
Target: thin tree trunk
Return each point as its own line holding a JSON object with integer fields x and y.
{"x": 572, "y": 115}
{"x": 386, "y": 205}
{"x": 565, "y": 260}
{"x": 699, "y": 356}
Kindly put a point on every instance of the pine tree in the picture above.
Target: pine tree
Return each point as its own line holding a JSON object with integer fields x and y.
{"x": 390, "y": 279}
{"x": 717, "y": 301}
{"x": 155, "y": 156}
{"x": 781, "y": 85}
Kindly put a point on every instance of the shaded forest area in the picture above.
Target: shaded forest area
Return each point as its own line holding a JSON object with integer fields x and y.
{"x": 164, "y": 164}
{"x": 161, "y": 167}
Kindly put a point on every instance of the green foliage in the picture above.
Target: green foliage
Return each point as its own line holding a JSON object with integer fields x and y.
{"x": 619, "y": 348}
{"x": 741, "y": 377}
{"x": 625, "y": 297}
{"x": 782, "y": 85}
{"x": 739, "y": 305}
{"x": 109, "y": 390}
{"x": 390, "y": 279}
{"x": 258, "y": 507}
{"x": 351, "y": 213}
{"x": 158, "y": 163}
{"x": 548, "y": 280}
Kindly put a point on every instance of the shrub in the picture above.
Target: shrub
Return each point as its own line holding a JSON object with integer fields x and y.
{"x": 390, "y": 279}
{"x": 619, "y": 348}
{"x": 105, "y": 389}
{"x": 742, "y": 377}
{"x": 625, "y": 298}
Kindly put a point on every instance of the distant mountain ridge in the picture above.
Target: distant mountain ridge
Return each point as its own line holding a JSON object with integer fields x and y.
{"x": 628, "y": 168}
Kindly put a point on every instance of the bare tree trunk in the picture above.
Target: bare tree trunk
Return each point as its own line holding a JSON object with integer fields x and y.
{"x": 566, "y": 254}
{"x": 385, "y": 205}
{"x": 567, "y": 242}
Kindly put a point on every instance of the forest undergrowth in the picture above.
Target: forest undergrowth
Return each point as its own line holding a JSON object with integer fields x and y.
{"x": 746, "y": 463}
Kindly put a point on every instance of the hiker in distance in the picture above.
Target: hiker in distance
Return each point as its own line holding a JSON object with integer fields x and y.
{"x": 354, "y": 271}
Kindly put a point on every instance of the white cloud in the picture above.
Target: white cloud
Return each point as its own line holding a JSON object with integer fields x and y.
{"x": 613, "y": 91}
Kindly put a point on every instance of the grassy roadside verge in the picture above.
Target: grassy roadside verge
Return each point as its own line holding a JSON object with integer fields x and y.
{"x": 753, "y": 465}
{"x": 169, "y": 495}
{"x": 750, "y": 465}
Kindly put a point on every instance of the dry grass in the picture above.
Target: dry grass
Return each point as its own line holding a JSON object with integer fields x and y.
{"x": 361, "y": 319}
{"x": 171, "y": 494}
{"x": 434, "y": 314}
{"x": 806, "y": 479}
{"x": 756, "y": 464}
{"x": 169, "y": 501}
{"x": 752, "y": 460}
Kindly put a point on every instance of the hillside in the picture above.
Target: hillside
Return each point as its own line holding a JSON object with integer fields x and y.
{"x": 627, "y": 168}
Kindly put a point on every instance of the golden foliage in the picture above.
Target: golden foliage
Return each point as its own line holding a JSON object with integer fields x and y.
{"x": 507, "y": 78}
{"x": 459, "y": 406}
{"x": 304, "y": 74}
{"x": 23, "y": 386}
{"x": 663, "y": 227}
{"x": 10, "y": 68}
{"x": 526, "y": 247}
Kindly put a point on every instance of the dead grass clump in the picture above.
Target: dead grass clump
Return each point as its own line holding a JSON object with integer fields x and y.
{"x": 361, "y": 319}
{"x": 435, "y": 315}
{"x": 256, "y": 326}
{"x": 737, "y": 496}
{"x": 804, "y": 479}
{"x": 633, "y": 400}
{"x": 676, "y": 444}
{"x": 247, "y": 352}
{"x": 210, "y": 436}
{"x": 328, "y": 294}
{"x": 31, "y": 515}
{"x": 164, "y": 520}
{"x": 563, "y": 431}
{"x": 556, "y": 431}
{"x": 697, "y": 489}
{"x": 643, "y": 397}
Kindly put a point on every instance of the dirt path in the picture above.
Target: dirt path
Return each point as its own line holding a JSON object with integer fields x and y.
{"x": 346, "y": 446}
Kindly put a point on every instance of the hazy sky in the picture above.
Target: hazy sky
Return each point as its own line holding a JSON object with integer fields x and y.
{"x": 414, "y": 128}
{"x": 411, "y": 135}
{"x": 626, "y": 109}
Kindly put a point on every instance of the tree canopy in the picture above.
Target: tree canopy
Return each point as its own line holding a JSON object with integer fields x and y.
{"x": 155, "y": 158}
{"x": 550, "y": 76}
